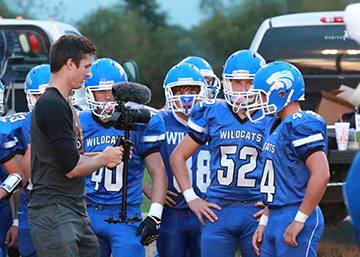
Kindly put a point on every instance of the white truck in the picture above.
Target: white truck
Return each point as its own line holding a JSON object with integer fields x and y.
{"x": 25, "y": 44}
{"x": 318, "y": 44}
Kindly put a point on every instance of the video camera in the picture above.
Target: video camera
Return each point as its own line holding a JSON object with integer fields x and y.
{"x": 130, "y": 98}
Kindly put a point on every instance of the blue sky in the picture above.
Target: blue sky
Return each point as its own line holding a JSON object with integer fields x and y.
{"x": 182, "y": 12}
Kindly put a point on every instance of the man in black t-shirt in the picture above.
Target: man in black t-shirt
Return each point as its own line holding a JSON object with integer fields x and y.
{"x": 57, "y": 216}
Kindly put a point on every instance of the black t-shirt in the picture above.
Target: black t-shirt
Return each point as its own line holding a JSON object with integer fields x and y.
{"x": 54, "y": 153}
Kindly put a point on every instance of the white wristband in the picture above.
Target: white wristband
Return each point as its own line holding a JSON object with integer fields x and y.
{"x": 301, "y": 217}
{"x": 189, "y": 195}
{"x": 156, "y": 210}
{"x": 15, "y": 222}
{"x": 263, "y": 220}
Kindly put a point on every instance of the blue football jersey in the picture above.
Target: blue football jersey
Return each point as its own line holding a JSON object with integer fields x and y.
{"x": 104, "y": 185}
{"x": 198, "y": 164}
{"x": 3, "y": 176}
{"x": 11, "y": 140}
{"x": 284, "y": 173}
{"x": 21, "y": 121}
{"x": 234, "y": 145}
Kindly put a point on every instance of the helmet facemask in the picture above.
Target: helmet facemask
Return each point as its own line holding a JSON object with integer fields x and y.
{"x": 212, "y": 87}
{"x": 260, "y": 105}
{"x": 101, "y": 109}
{"x": 32, "y": 95}
{"x": 237, "y": 92}
{"x": 183, "y": 102}
{"x": 2, "y": 108}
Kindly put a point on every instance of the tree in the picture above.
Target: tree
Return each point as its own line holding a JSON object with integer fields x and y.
{"x": 212, "y": 7}
{"x": 233, "y": 29}
{"x": 148, "y": 10}
{"x": 31, "y": 9}
{"x": 5, "y": 12}
{"x": 122, "y": 34}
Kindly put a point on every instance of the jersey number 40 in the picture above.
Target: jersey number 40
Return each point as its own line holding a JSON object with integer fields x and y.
{"x": 113, "y": 181}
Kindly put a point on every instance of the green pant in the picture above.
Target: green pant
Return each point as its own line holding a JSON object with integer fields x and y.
{"x": 58, "y": 231}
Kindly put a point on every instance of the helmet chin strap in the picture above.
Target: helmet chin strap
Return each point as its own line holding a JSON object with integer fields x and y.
{"x": 240, "y": 110}
{"x": 289, "y": 97}
{"x": 180, "y": 118}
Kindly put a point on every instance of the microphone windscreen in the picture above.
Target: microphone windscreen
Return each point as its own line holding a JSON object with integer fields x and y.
{"x": 131, "y": 92}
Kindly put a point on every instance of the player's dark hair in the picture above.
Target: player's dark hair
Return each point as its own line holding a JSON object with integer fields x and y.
{"x": 69, "y": 46}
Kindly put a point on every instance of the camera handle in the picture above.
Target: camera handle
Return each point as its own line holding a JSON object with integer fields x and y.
{"x": 126, "y": 143}
{"x": 126, "y": 156}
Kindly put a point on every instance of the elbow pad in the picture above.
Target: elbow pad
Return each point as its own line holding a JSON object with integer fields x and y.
{"x": 11, "y": 183}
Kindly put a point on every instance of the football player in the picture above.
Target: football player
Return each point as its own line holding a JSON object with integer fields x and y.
{"x": 103, "y": 187}
{"x": 180, "y": 230}
{"x": 351, "y": 191}
{"x": 212, "y": 81}
{"x": 35, "y": 84}
{"x": 12, "y": 150}
{"x": 293, "y": 163}
{"x": 234, "y": 144}
{"x": 351, "y": 187}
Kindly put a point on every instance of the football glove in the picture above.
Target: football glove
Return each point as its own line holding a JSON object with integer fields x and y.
{"x": 149, "y": 230}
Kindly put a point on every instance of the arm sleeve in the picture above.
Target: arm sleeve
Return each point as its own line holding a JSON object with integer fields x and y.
{"x": 12, "y": 141}
{"x": 8, "y": 146}
{"x": 197, "y": 128}
{"x": 153, "y": 136}
{"x": 309, "y": 137}
{"x": 55, "y": 120}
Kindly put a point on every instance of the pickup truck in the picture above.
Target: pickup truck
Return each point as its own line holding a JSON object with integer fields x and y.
{"x": 318, "y": 44}
{"x": 23, "y": 45}
{"x": 26, "y": 43}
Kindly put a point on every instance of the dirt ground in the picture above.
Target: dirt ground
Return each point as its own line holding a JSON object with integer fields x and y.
{"x": 325, "y": 250}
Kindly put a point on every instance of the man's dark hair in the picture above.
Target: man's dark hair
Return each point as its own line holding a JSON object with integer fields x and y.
{"x": 69, "y": 46}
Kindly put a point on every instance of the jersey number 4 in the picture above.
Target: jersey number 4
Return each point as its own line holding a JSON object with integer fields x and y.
{"x": 267, "y": 185}
{"x": 226, "y": 176}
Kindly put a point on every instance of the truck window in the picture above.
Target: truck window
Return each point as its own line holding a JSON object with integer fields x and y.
{"x": 20, "y": 50}
{"x": 324, "y": 54}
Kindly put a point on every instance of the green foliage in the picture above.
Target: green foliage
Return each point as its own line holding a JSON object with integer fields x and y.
{"x": 315, "y": 5}
{"x": 224, "y": 33}
{"x": 138, "y": 30}
{"x": 5, "y": 12}
{"x": 121, "y": 34}
{"x": 148, "y": 10}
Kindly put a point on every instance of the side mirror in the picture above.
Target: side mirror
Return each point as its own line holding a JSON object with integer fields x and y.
{"x": 131, "y": 69}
